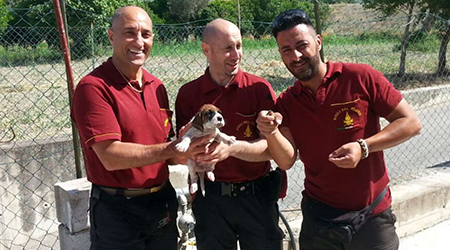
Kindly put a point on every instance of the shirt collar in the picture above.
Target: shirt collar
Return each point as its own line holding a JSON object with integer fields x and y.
{"x": 209, "y": 85}
{"x": 333, "y": 69}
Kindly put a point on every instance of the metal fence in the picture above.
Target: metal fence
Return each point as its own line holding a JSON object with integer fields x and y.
{"x": 36, "y": 149}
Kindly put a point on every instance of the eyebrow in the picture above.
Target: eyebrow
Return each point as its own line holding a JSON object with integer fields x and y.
{"x": 301, "y": 42}
{"x": 133, "y": 28}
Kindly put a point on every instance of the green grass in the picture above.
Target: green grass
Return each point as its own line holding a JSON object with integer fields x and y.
{"x": 363, "y": 38}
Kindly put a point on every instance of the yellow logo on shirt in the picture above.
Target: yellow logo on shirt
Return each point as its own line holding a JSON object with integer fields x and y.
{"x": 248, "y": 133}
{"x": 347, "y": 120}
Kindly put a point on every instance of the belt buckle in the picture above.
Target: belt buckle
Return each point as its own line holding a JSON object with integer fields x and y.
{"x": 226, "y": 189}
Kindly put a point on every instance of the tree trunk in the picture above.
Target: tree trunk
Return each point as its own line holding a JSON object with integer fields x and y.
{"x": 405, "y": 39}
{"x": 443, "y": 51}
{"x": 427, "y": 23}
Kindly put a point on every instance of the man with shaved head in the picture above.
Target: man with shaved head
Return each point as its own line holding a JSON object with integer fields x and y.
{"x": 241, "y": 204}
{"x": 123, "y": 117}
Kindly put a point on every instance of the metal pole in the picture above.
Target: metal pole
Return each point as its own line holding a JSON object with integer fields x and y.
{"x": 64, "y": 15}
{"x": 93, "y": 46}
{"x": 318, "y": 24}
{"x": 70, "y": 81}
{"x": 239, "y": 14}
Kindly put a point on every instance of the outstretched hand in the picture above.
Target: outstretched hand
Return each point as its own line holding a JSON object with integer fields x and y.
{"x": 268, "y": 121}
{"x": 347, "y": 156}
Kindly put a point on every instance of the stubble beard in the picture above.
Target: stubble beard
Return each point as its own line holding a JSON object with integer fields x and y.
{"x": 311, "y": 72}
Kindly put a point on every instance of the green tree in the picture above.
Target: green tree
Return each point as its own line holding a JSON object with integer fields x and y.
{"x": 442, "y": 9}
{"x": 439, "y": 8}
{"x": 389, "y": 7}
{"x": 257, "y": 11}
{"x": 88, "y": 21}
{"x": 185, "y": 10}
{"x": 338, "y": 1}
{"x": 4, "y": 16}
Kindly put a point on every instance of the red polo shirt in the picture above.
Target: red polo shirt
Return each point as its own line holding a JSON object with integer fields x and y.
{"x": 104, "y": 107}
{"x": 240, "y": 104}
{"x": 347, "y": 107}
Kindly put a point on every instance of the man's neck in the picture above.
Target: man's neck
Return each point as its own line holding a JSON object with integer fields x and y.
{"x": 132, "y": 73}
{"x": 317, "y": 80}
{"x": 223, "y": 81}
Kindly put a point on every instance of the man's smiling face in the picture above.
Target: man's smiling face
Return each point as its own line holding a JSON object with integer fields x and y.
{"x": 132, "y": 38}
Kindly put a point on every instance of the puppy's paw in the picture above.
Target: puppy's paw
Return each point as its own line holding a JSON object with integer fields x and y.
{"x": 230, "y": 140}
{"x": 182, "y": 146}
{"x": 193, "y": 188}
{"x": 210, "y": 176}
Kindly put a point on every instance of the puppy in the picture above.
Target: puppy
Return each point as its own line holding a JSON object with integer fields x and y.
{"x": 208, "y": 120}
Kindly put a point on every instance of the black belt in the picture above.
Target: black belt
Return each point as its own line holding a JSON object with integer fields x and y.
{"x": 235, "y": 189}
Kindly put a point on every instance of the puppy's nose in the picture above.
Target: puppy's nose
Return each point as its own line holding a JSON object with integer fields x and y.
{"x": 219, "y": 118}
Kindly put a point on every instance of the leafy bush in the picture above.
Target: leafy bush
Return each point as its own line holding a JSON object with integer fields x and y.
{"x": 18, "y": 55}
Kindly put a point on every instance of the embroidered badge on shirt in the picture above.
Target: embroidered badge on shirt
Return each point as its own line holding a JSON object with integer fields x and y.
{"x": 248, "y": 125}
{"x": 346, "y": 115}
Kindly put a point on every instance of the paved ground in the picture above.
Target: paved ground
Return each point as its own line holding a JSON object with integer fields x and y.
{"x": 434, "y": 238}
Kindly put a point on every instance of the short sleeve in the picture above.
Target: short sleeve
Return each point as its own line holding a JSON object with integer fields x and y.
{"x": 183, "y": 111}
{"x": 266, "y": 96}
{"x": 282, "y": 108}
{"x": 93, "y": 115}
{"x": 385, "y": 97}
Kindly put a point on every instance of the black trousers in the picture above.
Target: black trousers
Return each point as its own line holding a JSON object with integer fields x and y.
{"x": 378, "y": 233}
{"x": 250, "y": 218}
{"x": 141, "y": 223}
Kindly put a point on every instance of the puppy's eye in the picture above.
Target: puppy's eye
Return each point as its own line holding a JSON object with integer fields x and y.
{"x": 209, "y": 114}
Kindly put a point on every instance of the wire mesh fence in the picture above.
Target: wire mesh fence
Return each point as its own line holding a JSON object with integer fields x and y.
{"x": 36, "y": 150}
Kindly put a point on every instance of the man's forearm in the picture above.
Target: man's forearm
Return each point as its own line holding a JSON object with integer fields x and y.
{"x": 393, "y": 134}
{"x": 403, "y": 125}
{"x": 118, "y": 155}
{"x": 254, "y": 151}
{"x": 282, "y": 150}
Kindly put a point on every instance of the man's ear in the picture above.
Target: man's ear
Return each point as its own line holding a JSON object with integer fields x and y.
{"x": 111, "y": 36}
{"x": 206, "y": 49}
{"x": 198, "y": 121}
{"x": 319, "y": 42}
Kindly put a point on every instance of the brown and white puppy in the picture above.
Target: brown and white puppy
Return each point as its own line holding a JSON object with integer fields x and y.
{"x": 207, "y": 121}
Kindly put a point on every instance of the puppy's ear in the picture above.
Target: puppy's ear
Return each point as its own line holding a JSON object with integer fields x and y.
{"x": 198, "y": 121}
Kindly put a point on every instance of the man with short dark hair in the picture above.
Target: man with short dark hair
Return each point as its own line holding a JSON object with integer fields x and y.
{"x": 123, "y": 117}
{"x": 241, "y": 204}
{"x": 330, "y": 117}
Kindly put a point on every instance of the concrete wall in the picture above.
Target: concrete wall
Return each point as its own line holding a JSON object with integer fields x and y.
{"x": 28, "y": 171}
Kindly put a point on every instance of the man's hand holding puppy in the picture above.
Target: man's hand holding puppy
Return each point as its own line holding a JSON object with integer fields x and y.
{"x": 198, "y": 146}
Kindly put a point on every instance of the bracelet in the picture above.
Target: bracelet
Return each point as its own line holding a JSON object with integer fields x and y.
{"x": 364, "y": 148}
